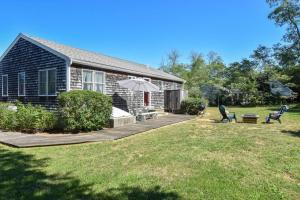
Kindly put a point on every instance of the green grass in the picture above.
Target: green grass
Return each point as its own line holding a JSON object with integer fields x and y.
{"x": 198, "y": 159}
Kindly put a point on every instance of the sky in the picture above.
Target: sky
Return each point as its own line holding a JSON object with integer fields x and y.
{"x": 144, "y": 30}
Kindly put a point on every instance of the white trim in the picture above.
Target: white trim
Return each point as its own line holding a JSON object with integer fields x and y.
{"x": 68, "y": 75}
{"x": 66, "y": 58}
{"x": 6, "y": 85}
{"x": 104, "y": 82}
{"x": 47, "y": 95}
{"x": 24, "y": 84}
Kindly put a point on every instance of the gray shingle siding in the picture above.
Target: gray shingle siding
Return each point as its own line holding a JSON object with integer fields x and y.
{"x": 124, "y": 98}
{"x": 29, "y": 58}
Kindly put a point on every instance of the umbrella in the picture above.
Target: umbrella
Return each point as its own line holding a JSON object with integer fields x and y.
{"x": 138, "y": 85}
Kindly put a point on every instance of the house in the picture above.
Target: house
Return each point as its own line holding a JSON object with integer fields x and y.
{"x": 36, "y": 70}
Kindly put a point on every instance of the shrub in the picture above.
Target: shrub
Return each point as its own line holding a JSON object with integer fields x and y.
{"x": 27, "y": 118}
{"x": 8, "y": 117}
{"x": 191, "y": 105}
{"x": 84, "y": 110}
{"x": 34, "y": 118}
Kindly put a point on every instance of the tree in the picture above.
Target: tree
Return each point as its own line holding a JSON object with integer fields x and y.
{"x": 173, "y": 66}
{"x": 263, "y": 57}
{"x": 242, "y": 76}
{"x": 287, "y": 13}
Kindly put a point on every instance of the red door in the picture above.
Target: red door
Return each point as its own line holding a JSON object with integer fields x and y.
{"x": 146, "y": 98}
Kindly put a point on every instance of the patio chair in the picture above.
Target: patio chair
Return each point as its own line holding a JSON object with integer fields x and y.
{"x": 226, "y": 115}
{"x": 276, "y": 115}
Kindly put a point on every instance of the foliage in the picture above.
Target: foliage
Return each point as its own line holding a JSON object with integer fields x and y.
{"x": 248, "y": 80}
{"x": 31, "y": 118}
{"x": 287, "y": 13}
{"x": 84, "y": 110}
{"x": 191, "y": 105}
{"x": 27, "y": 118}
{"x": 8, "y": 117}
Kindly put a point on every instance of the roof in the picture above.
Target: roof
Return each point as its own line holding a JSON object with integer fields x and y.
{"x": 88, "y": 58}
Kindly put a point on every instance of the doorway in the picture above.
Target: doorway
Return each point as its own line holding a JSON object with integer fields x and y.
{"x": 146, "y": 99}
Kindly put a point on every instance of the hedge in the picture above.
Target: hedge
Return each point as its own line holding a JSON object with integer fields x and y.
{"x": 191, "y": 105}
{"x": 83, "y": 110}
{"x": 27, "y": 118}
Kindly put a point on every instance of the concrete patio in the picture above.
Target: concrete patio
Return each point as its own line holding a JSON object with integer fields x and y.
{"x": 17, "y": 139}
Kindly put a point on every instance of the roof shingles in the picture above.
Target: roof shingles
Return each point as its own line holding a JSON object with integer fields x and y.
{"x": 79, "y": 56}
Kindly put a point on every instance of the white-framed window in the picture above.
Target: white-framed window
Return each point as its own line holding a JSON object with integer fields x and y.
{"x": 87, "y": 79}
{"x": 99, "y": 84}
{"x": 47, "y": 82}
{"x": 21, "y": 84}
{"x": 93, "y": 80}
{"x": 5, "y": 85}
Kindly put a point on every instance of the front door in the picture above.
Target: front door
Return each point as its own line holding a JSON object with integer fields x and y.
{"x": 146, "y": 98}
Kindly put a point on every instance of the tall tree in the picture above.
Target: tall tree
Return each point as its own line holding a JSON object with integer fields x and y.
{"x": 287, "y": 13}
{"x": 173, "y": 66}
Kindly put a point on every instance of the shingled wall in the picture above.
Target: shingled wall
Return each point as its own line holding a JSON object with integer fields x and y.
{"x": 123, "y": 98}
{"x": 30, "y": 58}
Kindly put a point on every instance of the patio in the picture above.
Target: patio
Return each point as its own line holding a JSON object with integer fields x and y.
{"x": 21, "y": 140}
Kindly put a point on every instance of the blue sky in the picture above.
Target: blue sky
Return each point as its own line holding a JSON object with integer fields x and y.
{"x": 144, "y": 31}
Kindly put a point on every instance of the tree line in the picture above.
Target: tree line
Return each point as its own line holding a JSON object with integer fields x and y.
{"x": 246, "y": 81}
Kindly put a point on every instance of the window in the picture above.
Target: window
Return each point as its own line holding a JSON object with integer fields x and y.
{"x": 47, "y": 82}
{"x": 93, "y": 80}
{"x": 161, "y": 86}
{"x": 21, "y": 84}
{"x": 87, "y": 80}
{"x": 131, "y": 77}
{"x": 99, "y": 82}
{"x": 4, "y": 85}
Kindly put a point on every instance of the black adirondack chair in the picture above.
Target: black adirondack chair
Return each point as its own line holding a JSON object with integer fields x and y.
{"x": 226, "y": 115}
{"x": 276, "y": 115}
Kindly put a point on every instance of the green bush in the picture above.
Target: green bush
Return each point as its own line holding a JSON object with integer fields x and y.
{"x": 27, "y": 118}
{"x": 191, "y": 105}
{"x": 83, "y": 110}
{"x": 34, "y": 118}
{"x": 7, "y": 117}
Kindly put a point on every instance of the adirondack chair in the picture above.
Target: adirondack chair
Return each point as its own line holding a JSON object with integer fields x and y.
{"x": 276, "y": 115}
{"x": 226, "y": 115}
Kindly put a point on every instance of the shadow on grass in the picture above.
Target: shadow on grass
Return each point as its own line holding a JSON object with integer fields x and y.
{"x": 292, "y": 133}
{"x": 22, "y": 177}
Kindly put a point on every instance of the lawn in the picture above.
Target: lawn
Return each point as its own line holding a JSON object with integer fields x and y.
{"x": 197, "y": 159}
